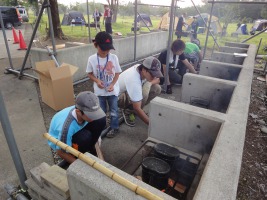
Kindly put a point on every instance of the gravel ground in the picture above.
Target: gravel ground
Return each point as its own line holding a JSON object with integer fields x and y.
{"x": 253, "y": 175}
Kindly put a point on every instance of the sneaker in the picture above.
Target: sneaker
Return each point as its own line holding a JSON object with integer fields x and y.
{"x": 112, "y": 133}
{"x": 169, "y": 89}
{"x": 128, "y": 117}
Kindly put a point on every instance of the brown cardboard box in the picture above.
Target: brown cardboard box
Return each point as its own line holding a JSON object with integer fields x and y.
{"x": 56, "y": 84}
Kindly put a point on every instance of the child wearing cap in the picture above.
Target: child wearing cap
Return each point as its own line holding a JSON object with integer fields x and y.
{"x": 78, "y": 126}
{"x": 139, "y": 84}
{"x": 103, "y": 69}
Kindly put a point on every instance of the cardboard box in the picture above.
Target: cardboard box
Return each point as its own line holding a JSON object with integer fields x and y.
{"x": 56, "y": 84}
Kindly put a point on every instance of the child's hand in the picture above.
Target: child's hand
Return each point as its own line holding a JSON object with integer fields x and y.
{"x": 100, "y": 84}
{"x": 110, "y": 88}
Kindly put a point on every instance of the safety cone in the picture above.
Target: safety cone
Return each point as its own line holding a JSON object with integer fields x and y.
{"x": 16, "y": 39}
{"x": 22, "y": 44}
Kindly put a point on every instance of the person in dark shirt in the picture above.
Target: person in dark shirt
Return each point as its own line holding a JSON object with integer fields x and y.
{"x": 176, "y": 60}
{"x": 194, "y": 27}
{"x": 96, "y": 16}
{"x": 238, "y": 25}
{"x": 179, "y": 27}
{"x": 108, "y": 19}
{"x": 78, "y": 126}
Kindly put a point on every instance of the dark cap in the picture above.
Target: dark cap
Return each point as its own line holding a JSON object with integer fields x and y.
{"x": 153, "y": 65}
{"x": 104, "y": 41}
{"x": 88, "y": 103}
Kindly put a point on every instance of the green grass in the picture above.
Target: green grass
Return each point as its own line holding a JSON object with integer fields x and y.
{"x": 124, "y": 24}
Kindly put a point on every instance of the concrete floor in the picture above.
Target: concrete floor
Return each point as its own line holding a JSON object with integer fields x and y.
{"x": 120, "y": 148}
{"x": 20, "y": 95}
{"x": 25, "y": 115}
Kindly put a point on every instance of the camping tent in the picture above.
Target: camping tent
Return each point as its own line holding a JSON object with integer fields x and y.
{"x": 146, "y": 18}
{"x": 242, "y": 29}
{"x": 165, "y": 22}
{"x": 72, "y": 15}
{"x": 259, "y": 25}
{"x": 215, "y": 24}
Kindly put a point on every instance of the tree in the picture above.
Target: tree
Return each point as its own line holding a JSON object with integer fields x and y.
{"x": 9, "y": 2}
{"x": 62, "y": 8}
{"x": 264, "y": 12}
{"x": 75, "y": 6}
{"x": 58, "y": 33}
{"x": 114, "y": 4}
{"x": 231, "y": 11}
{"x": 126, "y": 9}
{"x": 34, "y": 3}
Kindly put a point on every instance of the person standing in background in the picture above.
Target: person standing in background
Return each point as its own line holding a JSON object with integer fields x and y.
{"x": 179, "y": 27}
{"x": 107, "y": 19}
{"x": 194, "y": 27}
{"x": 96, "y": 16}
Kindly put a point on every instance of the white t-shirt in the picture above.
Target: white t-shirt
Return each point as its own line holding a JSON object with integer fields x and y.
{"x": 130, "y": 81}
{"x": 171, "y": 59}
{"x": 104, "y": 69}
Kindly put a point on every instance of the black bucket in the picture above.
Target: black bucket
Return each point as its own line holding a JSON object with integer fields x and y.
{"x": 166, "y": 153}
{"x": 155, "y": 172}
{"x": 185, "y": 171}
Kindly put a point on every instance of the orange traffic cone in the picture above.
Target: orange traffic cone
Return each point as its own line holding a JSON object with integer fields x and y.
{"x": 22, "y": 44}
{"x": 16, "y": 39}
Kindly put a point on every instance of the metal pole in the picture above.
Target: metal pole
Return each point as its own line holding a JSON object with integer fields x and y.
{"x": 244, "y": 2}
{"x": 205, "y": 24}
{"x": 88, "y": 19}
{"x": 258, "y": 48}
{"x": 51, "y": 28}
{"x": 207, "y": 36}
{"x": 213, "y": 47}
{"x": 166, "y": 75}
{"x": 50, "y": 53}
{"x": 95, "y": 19}
{"x": 6, "y": 43}
{"x": 264, "y": 71}
{"x": 18, "y": 72}
{"x": 135, "y": 27}
{"x": 254, "y": 35}
{"x": 174, "y": 16}
{"x": 12, "y": 143}
{"x": 33, "y": 35}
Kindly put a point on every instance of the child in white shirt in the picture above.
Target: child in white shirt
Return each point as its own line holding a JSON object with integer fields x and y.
{"x": 103, "y": 68}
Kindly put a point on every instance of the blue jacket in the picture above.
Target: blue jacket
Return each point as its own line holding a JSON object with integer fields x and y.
{"x": 61, "y": 129}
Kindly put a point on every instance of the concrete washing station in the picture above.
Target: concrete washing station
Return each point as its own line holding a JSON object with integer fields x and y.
{"x": 209, "y": 122}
